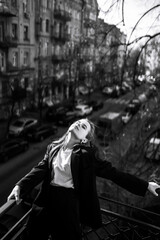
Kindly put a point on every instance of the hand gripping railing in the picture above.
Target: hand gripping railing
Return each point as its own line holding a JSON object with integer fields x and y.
{"x": 115, "y": 225}
{"x": 13, "y": 219}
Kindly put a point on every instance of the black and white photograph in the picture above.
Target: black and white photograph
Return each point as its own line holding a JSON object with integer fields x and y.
{"x": 79, "y": 119}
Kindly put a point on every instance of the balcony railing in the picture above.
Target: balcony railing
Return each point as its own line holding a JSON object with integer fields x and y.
{"x": 62, "y": 15}
{"x": 61, "y": 37}
{"x": 116, "y": 226}
{"x": 6, "y": 10}
{"x": 56, "y": 58}
{"x": 8, "y": 42}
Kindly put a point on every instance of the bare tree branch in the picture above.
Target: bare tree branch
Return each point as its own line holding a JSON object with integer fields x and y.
{"x": 141, "y": 19}
{"x": 150, "y": 38}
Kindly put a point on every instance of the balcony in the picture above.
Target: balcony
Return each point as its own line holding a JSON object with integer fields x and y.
{"x": 62, "y": 15}
{"x": 11, "y": 69}
{"x": 6, "y": 11}
{"x": 85, "y": 58}
{"x": 8, "y": 42}
{"x": 57, "y": 58}
{"x": 64, "y": 37}
{"x": 89, "y": 23}
{"x": 126, "y": 223}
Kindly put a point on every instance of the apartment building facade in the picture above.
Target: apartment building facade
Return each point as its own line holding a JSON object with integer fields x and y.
{"x": 47, "y": 50}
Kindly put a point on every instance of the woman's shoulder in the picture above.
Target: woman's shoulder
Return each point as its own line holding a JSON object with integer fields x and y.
{"x": 52, "y": 146}
{"x": 90, "y": 149}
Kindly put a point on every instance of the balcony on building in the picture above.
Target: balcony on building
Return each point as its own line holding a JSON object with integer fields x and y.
{"x": 89, "y": 23}
{"x": 57, "y": 58}
{"x": 88, "y": 40}
{"x": 85, "y": 58}
{"x": 60, "y": 37}
{"x": 6, "y": 10}
{"x": 8, "y": 42}
{"x": 10, "y": 68}
{"x": 62, "y": 15}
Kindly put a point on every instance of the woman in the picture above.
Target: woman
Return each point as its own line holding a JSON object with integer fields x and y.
{"x": 68, "y": 194}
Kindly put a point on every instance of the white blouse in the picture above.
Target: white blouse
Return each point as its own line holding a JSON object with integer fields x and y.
{"x": 61, "y": 164}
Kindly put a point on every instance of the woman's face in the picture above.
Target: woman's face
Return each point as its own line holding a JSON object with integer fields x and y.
{"x": 80, "y": 128}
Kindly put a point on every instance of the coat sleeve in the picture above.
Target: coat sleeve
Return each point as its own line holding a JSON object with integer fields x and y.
{"x": 125, "y": 180}
{"x": 36, "y": 175}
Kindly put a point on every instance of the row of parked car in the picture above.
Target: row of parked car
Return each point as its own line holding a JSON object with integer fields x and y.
{"x": 21, "y": 132}
{"x": 131, "y": 109}
{"x": 65, "y": 115}
{"x": 152, "y": 147}
{"x": 28, "y": 129}
{"x": 135, "y": 103}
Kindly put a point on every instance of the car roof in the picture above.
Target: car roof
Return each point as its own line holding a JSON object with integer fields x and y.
{"x": 24, "y": 119}
{"x": 81, "y": 105}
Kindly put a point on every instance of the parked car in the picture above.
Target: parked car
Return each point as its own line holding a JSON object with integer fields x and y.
{"x": 126, "y": 117}
{"x": 21, "y": 125}
{"x": 129, "y": 112}
{"x": 67, "y": 119}
{"x": 152, "y": 147}
{"x": 50, "y": 101}
{"x": 83, "y": 110}
{"x": 108, "y": 90}
{"x": 55, "y": 113}
{"x": 12, "y": 147}
{"x": 96, "y": 105}
{"x": 134, "y": 105}
{"x": 79, "y": 101}
{"x": 40, "y": 132}
{"x": 83, "y": 90}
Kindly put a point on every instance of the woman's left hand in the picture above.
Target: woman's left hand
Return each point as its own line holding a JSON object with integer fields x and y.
{"x": 152, "y": 187}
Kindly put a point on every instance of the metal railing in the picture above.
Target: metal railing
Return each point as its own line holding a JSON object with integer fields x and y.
{"x": 116, "y": 226}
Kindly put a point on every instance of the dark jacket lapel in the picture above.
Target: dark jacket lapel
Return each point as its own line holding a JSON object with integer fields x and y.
{"x": 75, "y": 161}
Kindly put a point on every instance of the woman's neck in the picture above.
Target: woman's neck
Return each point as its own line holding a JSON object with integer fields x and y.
{"x": 70, "y": 145}
{"x": 71, "y": 141}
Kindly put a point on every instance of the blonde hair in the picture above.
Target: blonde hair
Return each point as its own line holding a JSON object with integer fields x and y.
{"x": 90, "y": 135}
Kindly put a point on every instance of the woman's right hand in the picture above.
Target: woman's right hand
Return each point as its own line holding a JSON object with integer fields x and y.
{"x": 15, "y": 194}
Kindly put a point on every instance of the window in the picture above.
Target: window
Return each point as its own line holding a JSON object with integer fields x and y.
{"x": 25, "y": 37}
{"x": 2, "y": 61}
{"x": 32, "y": 5}
{"x": 1, "y": 31}
{"x": 41, "y": 24}
{"x": 26, "y": 80}
{"x": 21, "y": 83}
{"x": 48, "y": 4}
{"x": 47, "y": 25}
{"x": 14, "y": 3}
{"x": 26, "y": 58}
{"x": 15, "y": 59}
{"x": 14, "y": 31}
{"x": 46, "y": 48}
{"x": 4, "y": 89}
{"x": 25, "y": 6}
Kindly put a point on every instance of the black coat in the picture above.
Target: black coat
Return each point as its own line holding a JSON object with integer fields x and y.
{"x": 85, "y": 166}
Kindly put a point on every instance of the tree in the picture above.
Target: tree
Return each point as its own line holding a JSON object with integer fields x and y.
{"x": 137, "y": 51}
{"x": 141, "y": 41}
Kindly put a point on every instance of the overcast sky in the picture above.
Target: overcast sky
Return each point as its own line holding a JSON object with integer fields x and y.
{"x": 133, "y": 10}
